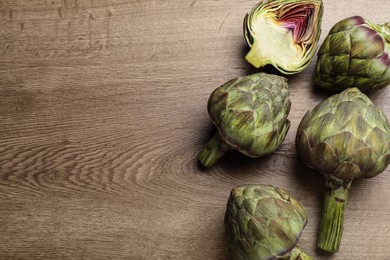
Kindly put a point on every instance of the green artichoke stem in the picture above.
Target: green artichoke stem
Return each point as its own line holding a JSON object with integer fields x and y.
{"x": 213, "y": 151}
{"x": 331, "y": 226}
{"x": 255, "y": 57}
{"x": 298, "y": 254}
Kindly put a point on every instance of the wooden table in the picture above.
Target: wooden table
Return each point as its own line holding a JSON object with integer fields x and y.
{"x": 103, "y": 112}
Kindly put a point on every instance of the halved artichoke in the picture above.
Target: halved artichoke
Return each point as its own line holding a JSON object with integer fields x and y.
{"x": 283, "y": 33}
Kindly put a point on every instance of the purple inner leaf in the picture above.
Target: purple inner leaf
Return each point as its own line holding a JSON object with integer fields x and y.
{"x": 298, "y": 19}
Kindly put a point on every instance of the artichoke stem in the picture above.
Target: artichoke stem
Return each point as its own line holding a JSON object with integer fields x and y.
{"x": 298, "y": 254}
{"x": 255, "y": 58}
{"x": 331, "y": 226}
{"x": 213, "y": 151}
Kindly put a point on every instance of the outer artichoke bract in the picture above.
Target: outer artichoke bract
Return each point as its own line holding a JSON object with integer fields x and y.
{"x": 250, "y": 114}
{"x": 344, "y": 137}
{"x": 264, "y": 222}
{"x": 354, "y": 54}
{"x": 283, "y": 33}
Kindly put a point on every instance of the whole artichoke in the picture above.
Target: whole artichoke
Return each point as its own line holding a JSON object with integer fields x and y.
{"x": 354, "y": 54}
{"x": 264, "y": 222}
{"x": 283, "y": 33}
{"x": 250, "y": 114}
{"x": 344, "y": 137}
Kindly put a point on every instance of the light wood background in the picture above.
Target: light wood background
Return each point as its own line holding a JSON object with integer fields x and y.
{"x": 103, "y": 112}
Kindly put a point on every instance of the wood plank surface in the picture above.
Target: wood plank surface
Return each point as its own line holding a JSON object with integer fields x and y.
{"x": 103, "y": 112}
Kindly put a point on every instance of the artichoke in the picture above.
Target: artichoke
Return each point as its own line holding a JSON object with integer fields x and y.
{"x": 250, "y": 114}
{"x": 283, "y": 33}
{"x": 354, "y": 54}
{"x": 264, "y": 222}
{"x": 344, "y": 137}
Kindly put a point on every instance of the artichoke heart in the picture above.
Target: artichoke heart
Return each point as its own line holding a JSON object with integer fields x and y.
{"x": 283, "y": 33}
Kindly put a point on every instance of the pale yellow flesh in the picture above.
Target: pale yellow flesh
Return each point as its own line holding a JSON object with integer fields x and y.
{"x": 274, "y": 45}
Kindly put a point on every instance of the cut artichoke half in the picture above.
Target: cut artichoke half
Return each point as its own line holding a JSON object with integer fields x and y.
{"x": 283, "y": 33}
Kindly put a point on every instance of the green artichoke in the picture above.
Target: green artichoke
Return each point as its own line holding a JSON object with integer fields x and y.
{"x": 354, "y": 54}
{"x": 264, "y": 222}
{"x": 250, "y": 114}
{"x": 344, "y": 137}
{"x": 283, "y": 33}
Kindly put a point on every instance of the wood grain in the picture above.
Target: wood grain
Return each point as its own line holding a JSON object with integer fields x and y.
{"x": 102, "y": 114}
